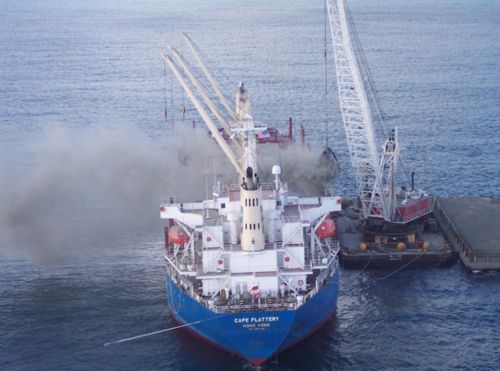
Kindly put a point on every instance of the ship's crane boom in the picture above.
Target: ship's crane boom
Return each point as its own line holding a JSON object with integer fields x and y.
{"x": 204, "y": 95}
{"x": 232, "y": 157}
{"x": 240, "y": 126}
{"x": 210, "y": 78}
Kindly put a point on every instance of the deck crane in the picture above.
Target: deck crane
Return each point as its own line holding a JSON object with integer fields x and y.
{"x": 228, "y": 151}
{"x": 383, "y": 205}
{"x": 240, "y": 126}
{"x": 228, "y": 124}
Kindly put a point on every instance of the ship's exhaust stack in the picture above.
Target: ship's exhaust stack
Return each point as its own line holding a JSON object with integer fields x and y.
{"x": 252, "y": 231}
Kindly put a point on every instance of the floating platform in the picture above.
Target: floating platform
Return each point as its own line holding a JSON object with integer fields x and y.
{"x": 436, "y": 253}
{"x": 472, "y": 227}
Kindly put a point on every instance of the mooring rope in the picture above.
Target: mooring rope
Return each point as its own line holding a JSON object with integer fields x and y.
{"x": 161, "y": 331}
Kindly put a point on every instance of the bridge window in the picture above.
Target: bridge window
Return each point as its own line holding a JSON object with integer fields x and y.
{"x": 257, "y": 201}
{"x": 246, "y": 226}
{"x": 258, "y": 225}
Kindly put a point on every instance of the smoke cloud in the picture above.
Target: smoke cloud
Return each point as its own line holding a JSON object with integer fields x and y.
{"x": 91, "y": 190}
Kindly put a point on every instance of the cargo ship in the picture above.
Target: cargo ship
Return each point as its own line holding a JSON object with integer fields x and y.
{"x": 253, "y": 270}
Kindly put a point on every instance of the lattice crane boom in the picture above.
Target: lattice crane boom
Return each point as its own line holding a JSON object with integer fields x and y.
{"x": 357, "y": 117}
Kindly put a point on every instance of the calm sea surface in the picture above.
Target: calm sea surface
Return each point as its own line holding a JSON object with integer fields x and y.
{"x": 86, "y": 155}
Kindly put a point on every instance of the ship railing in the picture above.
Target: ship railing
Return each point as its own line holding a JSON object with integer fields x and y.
{"x": 318, "y": 257}
{"x": 264, "y": 186}
{"x": 460, "y": 244}
{"x": 248, "y": 305}
{"x": 210, "y": 222}
{"x": 322, "y": 278}
{"x": 238, "y": 305}
{"x": 483, "y": 261}
{"x": 291, "y": 301}
{"x": 221, "y": 189}
{"x": 310, "y": 294}
{"x": 272, "y": 245}
{"x": 413, "y": 210}
{"x": 310, "y": 201}
{"x": 245, "y": 304}
{"x": 292, "y": 219}
{"x": 191, "y": 206}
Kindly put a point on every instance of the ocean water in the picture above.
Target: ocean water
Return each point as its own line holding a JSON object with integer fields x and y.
{"x": 86, "y": 155}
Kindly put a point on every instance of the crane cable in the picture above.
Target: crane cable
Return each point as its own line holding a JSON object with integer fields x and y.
{"x": 367, "y": 74}
{"x": 326, "y": 75}
{"x": 165, "y": 91}
{"x": 373, "y": 97}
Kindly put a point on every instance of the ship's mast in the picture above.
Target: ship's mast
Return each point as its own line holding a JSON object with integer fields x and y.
{"x": 252, "y": 233}
{"x": 246, "y": 128}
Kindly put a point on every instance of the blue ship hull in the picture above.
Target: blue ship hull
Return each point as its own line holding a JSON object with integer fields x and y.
{"x": 255, "y": 335}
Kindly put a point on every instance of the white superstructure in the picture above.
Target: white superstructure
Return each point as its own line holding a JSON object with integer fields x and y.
{"x": 252, "y": 235}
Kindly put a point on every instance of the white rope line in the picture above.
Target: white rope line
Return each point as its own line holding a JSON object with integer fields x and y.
{"x": 160, "y": 331}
